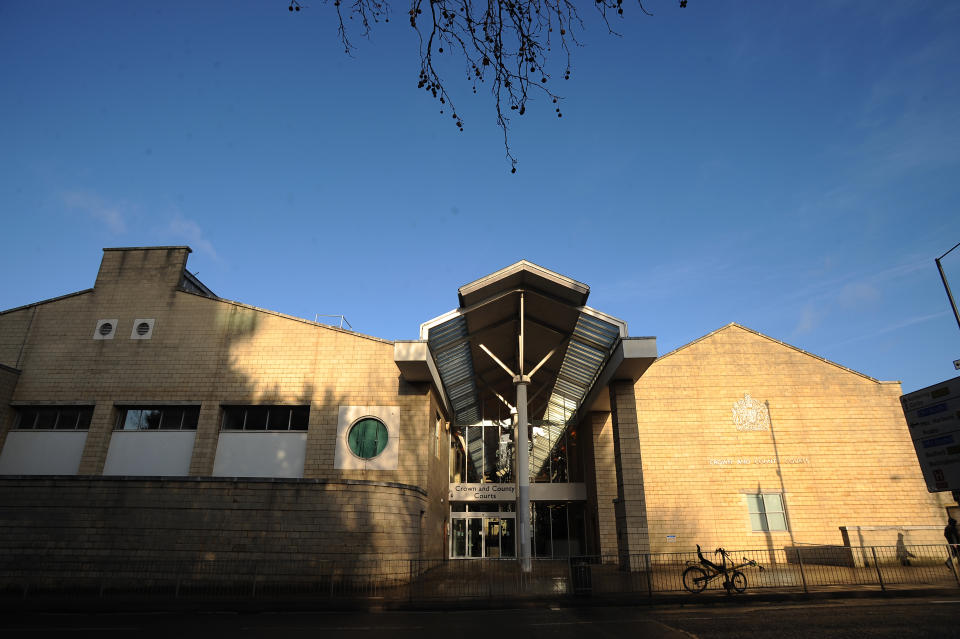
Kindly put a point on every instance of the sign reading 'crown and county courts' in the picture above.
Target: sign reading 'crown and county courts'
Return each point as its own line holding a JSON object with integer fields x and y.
{"x": 483, "y": 492}
{"x": 933, "y": 415}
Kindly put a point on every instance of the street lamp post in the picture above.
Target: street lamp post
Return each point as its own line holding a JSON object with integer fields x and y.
{"x": 943, "y": 277}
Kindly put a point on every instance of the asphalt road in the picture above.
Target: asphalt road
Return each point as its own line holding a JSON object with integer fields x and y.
{"x": 925, "y": 617}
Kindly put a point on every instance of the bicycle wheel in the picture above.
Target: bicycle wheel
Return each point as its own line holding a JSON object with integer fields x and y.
{"x": 739, "y": 581}
{"x": 694, "y": 579}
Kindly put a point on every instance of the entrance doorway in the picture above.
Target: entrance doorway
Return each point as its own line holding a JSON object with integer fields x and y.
{"x": 482, "y": 535}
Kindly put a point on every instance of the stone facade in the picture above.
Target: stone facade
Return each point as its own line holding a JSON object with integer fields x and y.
{"x": 8, "y": 382}
{"x": 208, "y": 519}
{"x": 212, "y": 352}
{"x": 835, "y": 445}
{"x": 673, "y": 463}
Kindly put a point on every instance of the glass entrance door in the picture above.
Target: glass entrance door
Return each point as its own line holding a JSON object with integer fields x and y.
{"x": 491, "y": 537}
{"x": 458, "y": 538}
{"x": 476, "y": 536}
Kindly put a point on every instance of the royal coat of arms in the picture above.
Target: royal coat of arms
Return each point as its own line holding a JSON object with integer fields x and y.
{"x": 749, "y": 414}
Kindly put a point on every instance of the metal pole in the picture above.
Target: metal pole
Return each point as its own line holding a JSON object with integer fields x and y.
{"x": 649, "y": 566}
{"x": 520, "y": 363}
{"x": 803, "y": 577}
{"x": 523, "y": 474}
{"x": 943, "y": 277}
{"x": 953, "y": 563}
{"x": 876, "y": 564}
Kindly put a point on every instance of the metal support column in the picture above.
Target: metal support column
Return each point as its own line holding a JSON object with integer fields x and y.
{"x": 523, "y": 462}
{"x": 523, "y": 473}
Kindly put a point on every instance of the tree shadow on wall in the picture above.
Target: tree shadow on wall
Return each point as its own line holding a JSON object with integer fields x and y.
{"x": 142, "y": 528}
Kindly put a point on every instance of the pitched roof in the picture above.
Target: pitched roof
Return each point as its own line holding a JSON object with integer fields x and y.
{"x": 767, "y": 337}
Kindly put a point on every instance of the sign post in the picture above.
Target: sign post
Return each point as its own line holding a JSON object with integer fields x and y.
{"x": 933, "y": 416}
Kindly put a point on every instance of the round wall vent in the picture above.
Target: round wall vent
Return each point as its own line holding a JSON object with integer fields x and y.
{"x": 143, "y": 328}
{"x": 106, "y": 328}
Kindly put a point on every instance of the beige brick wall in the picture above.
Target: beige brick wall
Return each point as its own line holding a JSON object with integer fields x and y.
{"x": 860, "y": 468}
{"x": 215, "y": 352}
{"x": 14, "y": 328}
{"x": 437, "y": 507}
{"x": 602, "y": 481}
{"x": 8, "y": 382}
{"x": 153, "y": 522}
{"x": 212, "y": 352}
{"x": 630, "y": 509}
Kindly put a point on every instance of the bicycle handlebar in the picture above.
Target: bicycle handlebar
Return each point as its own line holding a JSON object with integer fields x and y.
{"x": 724, "y": 553}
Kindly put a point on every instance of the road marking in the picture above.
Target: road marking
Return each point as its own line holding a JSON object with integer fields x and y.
{"x": 71, "y": 629}
{"x": 338, "y": 629}
{"x": 680, "y": 630}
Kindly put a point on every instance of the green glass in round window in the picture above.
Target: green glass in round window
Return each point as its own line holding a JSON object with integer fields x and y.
{"x": 367, "y": 438}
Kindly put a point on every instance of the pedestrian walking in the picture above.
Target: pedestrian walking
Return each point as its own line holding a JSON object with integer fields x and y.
{"x": 952, "y": 535}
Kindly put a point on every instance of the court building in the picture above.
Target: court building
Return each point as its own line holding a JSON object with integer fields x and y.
{"x": 147, "y": 417}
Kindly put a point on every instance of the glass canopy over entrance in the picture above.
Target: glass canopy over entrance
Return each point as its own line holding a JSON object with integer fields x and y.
{"x": 518, "y": 363}
{"x": 570, "y": 342}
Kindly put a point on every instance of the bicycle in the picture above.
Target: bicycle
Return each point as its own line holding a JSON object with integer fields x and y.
{"x": 698, "y": 575}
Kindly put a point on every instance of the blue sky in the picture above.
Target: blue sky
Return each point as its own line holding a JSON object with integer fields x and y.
{"x": 790, "y": 167}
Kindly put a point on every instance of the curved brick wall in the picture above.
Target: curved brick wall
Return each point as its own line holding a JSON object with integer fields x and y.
{"x": 91, "y": 520}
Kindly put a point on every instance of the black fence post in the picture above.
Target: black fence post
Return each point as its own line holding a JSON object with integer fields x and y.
{"x": 649, "y": 567}
{"x": 953, "y": 563}
{"x": 179, "y": 570}
{"x": 876, "y": 564}
{"x": 803, "y": 577}
{"x": 410, "y": 582}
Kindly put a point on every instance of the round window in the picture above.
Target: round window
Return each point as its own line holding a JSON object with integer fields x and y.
{"x": 106, "y": 328}
{"x": 367, "y": 438}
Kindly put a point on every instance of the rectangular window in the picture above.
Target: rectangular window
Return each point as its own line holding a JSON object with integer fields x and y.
{"x": 263, "y": 418}
{"x": 158, "y": 418}
{"x": 766, "y": 512}
{"x": 54, "y": 417}
{"x": 457, "y": 456}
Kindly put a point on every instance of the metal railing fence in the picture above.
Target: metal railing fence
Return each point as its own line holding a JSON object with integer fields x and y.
{"x": 801, "y": 569}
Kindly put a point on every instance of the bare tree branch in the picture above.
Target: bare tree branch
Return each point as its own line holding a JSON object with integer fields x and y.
{"x": 505, "y": 44}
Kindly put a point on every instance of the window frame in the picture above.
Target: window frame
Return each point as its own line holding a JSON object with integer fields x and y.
{"x": 757, "y": 506}
{"x": 382, "y": 425}
{"x": 79, "y": 424}
{"x": 185, "y": 409}
{"x": 225, "y": 409}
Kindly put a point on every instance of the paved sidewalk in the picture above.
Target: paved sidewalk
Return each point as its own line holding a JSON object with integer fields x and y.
{"x": 482, "y": 585}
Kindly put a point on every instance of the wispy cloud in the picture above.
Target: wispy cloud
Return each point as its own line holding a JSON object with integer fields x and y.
{"x": 909, "y": 118}
{"x": 809, "y": 319}
{"x": 698, "y": 268}
{"x": 910, "y": 321}
{"x": 852, "y": 291}
{"x": 856, "y": 295}
{"x": 189, "y": 231}
{"x": 860, "y": 280}
{"x": 110, "y": 214}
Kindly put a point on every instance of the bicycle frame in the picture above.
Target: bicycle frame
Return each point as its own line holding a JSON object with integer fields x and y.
{"x": 699, "y": 574}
